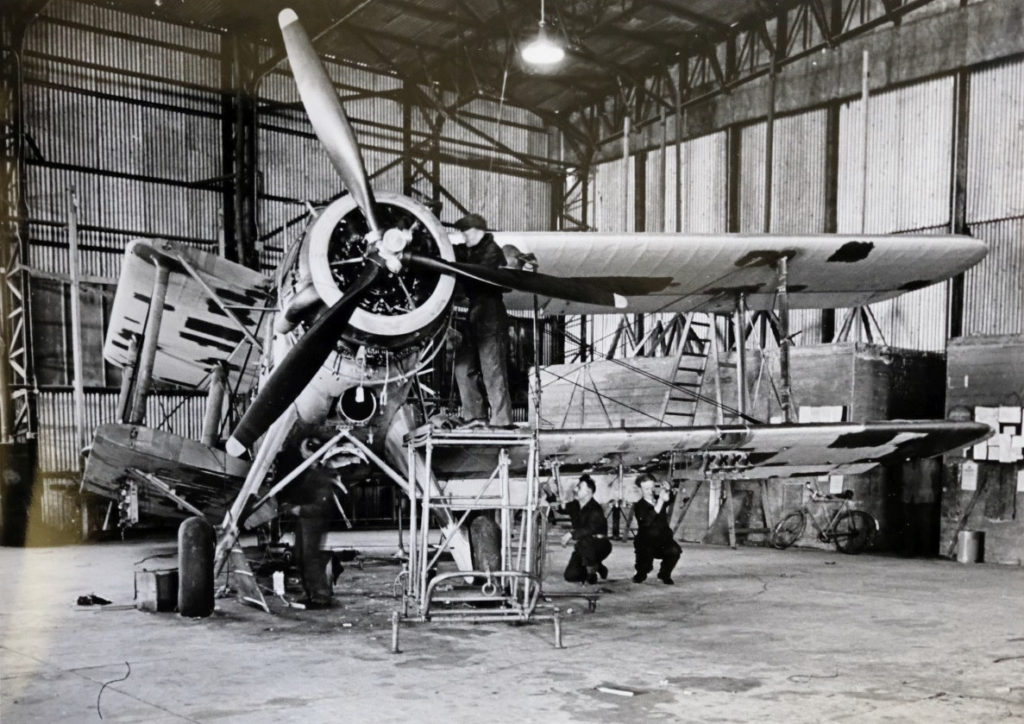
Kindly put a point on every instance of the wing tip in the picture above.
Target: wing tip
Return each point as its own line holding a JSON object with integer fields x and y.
{"x": 286, "y": 17}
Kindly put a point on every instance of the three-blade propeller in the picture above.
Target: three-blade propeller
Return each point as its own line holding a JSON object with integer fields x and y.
{"x": 332, "y": 127}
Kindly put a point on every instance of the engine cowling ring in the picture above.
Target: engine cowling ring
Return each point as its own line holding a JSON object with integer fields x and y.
{"x": 386, "y": 330}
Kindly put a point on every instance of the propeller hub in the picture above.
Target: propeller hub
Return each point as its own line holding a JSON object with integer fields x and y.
{"x": 338, "y": 244}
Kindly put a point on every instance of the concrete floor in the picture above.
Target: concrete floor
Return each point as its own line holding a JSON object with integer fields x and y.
{"x": 746, "y": 635}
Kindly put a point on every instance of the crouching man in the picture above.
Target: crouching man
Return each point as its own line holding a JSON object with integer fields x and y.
{"x": 653, "y": 536}
{"x": 590, "y": 534}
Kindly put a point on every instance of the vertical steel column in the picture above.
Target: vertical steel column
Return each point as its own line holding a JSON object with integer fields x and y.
{"x": 864, "y": 96}
{"x": 828, "y": 316}
{"x": 662, "y": 192}
{"x": 17, "y": 402}
{"x": 769, "y": 152}
{"x": 958, "y": 193}
{"x": 625, "y": 173}
{"x": 681, "y": 70}
{"x": 740, "y": 322}
{"x": 239, "y": 79}
{"x": 78, "y": 383}
{"x": 407, "y": 171}
{"x": 144, "y": 376}
{"x": 785, "y": 389}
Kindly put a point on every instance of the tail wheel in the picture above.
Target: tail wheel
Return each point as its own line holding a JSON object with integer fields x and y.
{"x": 788, "y": 530}
{"x": 854, "y": 531}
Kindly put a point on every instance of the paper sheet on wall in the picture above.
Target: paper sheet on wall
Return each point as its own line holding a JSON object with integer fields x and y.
{"x": 1020, "y": 481}
{"x": 969, "y": 476}
{"x": 835, "y": 484}
{"x": 988, "y": 415}
{"x": 1008, "y": 414}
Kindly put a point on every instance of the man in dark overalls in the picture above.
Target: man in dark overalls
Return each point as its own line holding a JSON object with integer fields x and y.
{"x": 480, "y": 357}
{"x": 590, "y": 533}
{"x": 311, "y": 499}
{"x": 653, "y": 535}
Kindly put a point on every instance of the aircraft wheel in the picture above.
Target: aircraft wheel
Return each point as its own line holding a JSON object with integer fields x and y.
{"x": 196, "y": 542}
{"x": 485, "y": 543}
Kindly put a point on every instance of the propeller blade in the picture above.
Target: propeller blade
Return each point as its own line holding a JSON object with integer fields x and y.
{"x": 326, "y": 114}
{"x": 298, "y": 367}
{"x": 543, "y": 284}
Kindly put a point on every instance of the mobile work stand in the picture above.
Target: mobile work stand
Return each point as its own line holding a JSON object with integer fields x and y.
{"x": 505, "y": 584}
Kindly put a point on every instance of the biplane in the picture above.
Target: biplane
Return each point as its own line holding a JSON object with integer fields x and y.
{"x": 359, "y": 307}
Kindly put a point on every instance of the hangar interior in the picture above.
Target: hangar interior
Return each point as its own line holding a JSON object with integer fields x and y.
{"x": 178, "y": 120}
{"x": 180, "y": 125}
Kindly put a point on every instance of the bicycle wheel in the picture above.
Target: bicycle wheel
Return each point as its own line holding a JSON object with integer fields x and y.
{"x": 788, "y": 530}
{"x": 854, "y": 531}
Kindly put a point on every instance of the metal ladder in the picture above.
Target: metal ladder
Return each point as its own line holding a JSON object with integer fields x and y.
{"x": 694, "y": 342}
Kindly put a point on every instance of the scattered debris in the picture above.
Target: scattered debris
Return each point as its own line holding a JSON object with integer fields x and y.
{"x": 616, "y": 691}
{"x": 92, "y": 600}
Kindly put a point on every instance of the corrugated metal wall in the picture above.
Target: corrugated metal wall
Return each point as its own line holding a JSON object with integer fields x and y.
{"x": 614, "y": 190}
{"x": 509, "y": 203}
{"x": 910, "y": 137}
{"x": 994, "y": 290}
{"x": 703, "y": 185}
{"x": 129, "y": 121}
{"x": 995, "y": 146}
{"x": 798, "y": 190}
{"x": 128, "y": 111}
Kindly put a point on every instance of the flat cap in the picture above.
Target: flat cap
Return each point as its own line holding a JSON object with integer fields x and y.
{"x": 471, "y": 221}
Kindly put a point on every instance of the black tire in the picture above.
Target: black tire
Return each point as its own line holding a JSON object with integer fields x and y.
{"x": 788, "y": 530}
{"x": 854, "y": 531}
{"x": 196, "y": 542}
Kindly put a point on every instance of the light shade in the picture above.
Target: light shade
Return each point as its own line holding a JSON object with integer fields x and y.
{"x": 542, "y": 50}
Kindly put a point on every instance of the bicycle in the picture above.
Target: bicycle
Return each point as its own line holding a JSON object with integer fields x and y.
{"x": 851, "y": 531}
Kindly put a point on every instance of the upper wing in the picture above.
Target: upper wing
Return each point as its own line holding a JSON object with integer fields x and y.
{"x": 209, "y": 301}
{"x": 737, "y": 451}
{"x": 680, "y": 273}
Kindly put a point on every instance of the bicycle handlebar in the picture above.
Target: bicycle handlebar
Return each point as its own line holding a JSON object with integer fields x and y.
{"x": 818, "y": 497}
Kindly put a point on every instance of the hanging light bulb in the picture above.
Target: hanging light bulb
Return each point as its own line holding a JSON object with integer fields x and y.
{"x": 542, "y": 50}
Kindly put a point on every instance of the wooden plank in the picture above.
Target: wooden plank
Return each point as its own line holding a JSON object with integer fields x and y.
{"x": 604, "y": 394}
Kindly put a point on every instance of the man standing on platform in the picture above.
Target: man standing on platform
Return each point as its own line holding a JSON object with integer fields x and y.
{"x": 480, "y": 357}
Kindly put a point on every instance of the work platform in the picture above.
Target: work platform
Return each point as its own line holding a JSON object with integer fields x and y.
{"x": 505, "y": 522}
